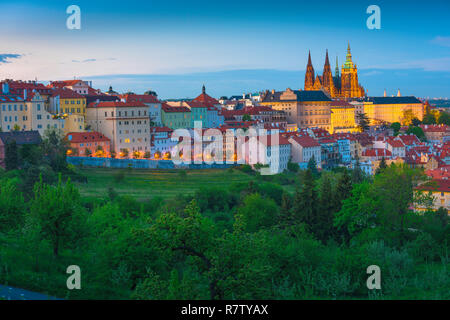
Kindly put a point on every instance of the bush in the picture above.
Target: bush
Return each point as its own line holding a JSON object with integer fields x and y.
{"x": 119, "y": 176}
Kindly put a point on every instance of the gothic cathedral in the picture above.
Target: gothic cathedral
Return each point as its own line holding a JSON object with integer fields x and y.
{"x": 343, "y": 85}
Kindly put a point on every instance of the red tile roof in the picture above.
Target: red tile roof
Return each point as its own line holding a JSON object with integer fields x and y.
{"x": 306, "y": 141}
{"x": 270, "y": 140}
{"x": 395, "y": 143}
{"x": 168, "y": 108}
{"x": 439, "y": 173}
{"x": 436, "y": 185}
{"x": 435, "y": 128}
{"x": 409, "y": 139}
{"x": 206, "y": 99}
{"x": 196, "y": 104}
{"x": 66, "y": 94}
{"x": 116, "y": 104}
{"x": 161, "y": 129}
{"x": 63, "y": 83}
{"x": 376, "y": 152}
{"x": 79, "y": 137}
{"x": 145, "y": 98}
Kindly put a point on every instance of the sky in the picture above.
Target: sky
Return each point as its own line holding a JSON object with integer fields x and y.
{"x": 174, "y": 47}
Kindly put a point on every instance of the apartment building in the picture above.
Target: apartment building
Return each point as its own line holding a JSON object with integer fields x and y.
{"x": 126, "y": 124}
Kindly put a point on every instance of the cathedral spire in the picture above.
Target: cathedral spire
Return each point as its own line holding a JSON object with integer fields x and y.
{"x": 309, "y": 76}
{"x": 348, "y": 61}
{"x": 327, "y": 61}
{"x": 349, "y": 53}
{"x": 337, "y": 67}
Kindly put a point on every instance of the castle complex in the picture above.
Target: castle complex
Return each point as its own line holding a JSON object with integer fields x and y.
{"x": 343, "y": 85}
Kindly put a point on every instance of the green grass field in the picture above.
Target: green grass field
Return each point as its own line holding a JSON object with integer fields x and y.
{"x": 146, "y": 184}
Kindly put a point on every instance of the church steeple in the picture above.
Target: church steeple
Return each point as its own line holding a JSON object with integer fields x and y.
{"x": 336, "y": 71}
{"x": 327, "y": 76}
{"x": 348, "y": 61}
{"x": 327, "y": 61}
{"x": 203, "y": 89}
{"x": 309, "y": 77}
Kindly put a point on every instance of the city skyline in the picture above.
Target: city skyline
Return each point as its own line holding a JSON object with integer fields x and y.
{"x": 231, "y": 48}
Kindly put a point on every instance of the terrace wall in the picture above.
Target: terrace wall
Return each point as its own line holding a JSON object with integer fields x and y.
{"x": 140, "y": 163}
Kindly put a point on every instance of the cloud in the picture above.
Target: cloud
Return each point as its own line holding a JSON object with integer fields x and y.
{"x": 441, "y": 41}
{"x": 432, "y": 64}
{"x": 84, "y": 61}
{"x": 93, "y": 60}
{"x": 372, "y": 73}
{"x": 5, "y": 57}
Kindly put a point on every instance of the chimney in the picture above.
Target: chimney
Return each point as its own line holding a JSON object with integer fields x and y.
{"x": 5, "y": 88}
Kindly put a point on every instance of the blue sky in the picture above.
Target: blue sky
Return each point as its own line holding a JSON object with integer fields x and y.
{"x": 232, "y": 46}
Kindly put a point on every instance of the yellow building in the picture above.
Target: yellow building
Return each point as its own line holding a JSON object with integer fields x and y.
{"x": 440, "y": 191}
{"x": 392, "y": 109}
{"x": 74, "y": 123}
{"x": 307, "y": 109}
{"x": 66, "y": 101}
{"x": 342, "y": 117}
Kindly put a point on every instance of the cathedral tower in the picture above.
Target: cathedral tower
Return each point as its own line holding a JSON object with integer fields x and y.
{"x": 350, "y": 87}
{"x": 327, "y": 77}
{"x": 309, "y": 77}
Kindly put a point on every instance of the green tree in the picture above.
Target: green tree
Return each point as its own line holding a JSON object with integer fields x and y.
{"x": 418, "y": 132}
{"x": 312, "y": 166}
{"x": 381, "y": 166}
{"x": 12, "y": 206}
{"x": 11, "y": 155}
{"x": 394, "y": 192}
{"x": 54, "y": 148}
{"x": 57, "y": 210}
{"x": 246, "y": 117}
{"x": 257, "y": 213}
{"x": 429, "y": 118}
{"x": 343, "y": 189}
{"x": 408, "y": 116}
{"x": 357, "y": 212}
{"x": 363, "y": 122}
{"x": 305, "y": 202}
{"x": 286, "y": 218}
{"x": 323, "y": 227}
{"x": 396, "y": 127}
{"x": 293, "y": 167}
{"x": 444, "y": 118}
{"x": 357, "y": 173}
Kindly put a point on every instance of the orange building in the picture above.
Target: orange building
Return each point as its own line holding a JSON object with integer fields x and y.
{"x": 85, "y": 144}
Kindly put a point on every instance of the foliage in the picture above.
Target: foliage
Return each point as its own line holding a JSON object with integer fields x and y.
{"x": 362, "y": 121}
{"x": 254, "y": 238}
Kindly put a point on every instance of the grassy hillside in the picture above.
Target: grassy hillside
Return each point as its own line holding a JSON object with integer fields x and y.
{"x": 146, "y": 184}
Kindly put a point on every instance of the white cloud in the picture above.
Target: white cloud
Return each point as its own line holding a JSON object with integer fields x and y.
{"x": 441, "y": 41}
